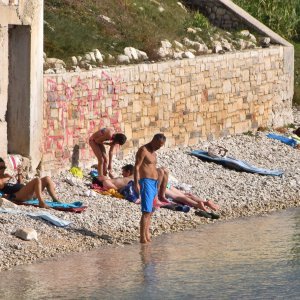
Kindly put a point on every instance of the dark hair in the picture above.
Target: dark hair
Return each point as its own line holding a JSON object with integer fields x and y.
{"x": 159, "y": 137}
{"x": 1, "y": 160}
{"x": 119, "y": 138}
{"x": 128, "y": 168}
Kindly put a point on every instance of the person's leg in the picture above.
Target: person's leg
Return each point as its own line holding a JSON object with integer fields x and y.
{"x": 98, "y": 151}
{"x": 179, "y": 197}
{"x": 148, "y": 235}
{"x": 163, "y": 176}
{"x": 208, "y": 203}
{"x": 143, "y": 227}
{"x": 49, "y": 185}
{"x": 34, "y": 187}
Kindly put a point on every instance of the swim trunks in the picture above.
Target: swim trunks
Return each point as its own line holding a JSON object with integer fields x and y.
{"x": 148, "y": 192}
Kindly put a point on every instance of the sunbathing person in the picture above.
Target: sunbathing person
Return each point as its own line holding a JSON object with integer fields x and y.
{"x": 178, "y": 196}
{"x": 21, "y": 192}
{"x": 164, "y": 190}
{"x": 189, "y": 199}
{"x": 119, "y": 182}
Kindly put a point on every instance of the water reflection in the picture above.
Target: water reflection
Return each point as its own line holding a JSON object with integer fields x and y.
{"x": 248, "y": 258}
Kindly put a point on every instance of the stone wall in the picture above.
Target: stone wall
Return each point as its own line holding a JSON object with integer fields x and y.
{"x": 188, "y": 100}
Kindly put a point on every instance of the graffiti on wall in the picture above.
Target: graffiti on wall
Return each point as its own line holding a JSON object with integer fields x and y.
{"x": 74, "y": 110}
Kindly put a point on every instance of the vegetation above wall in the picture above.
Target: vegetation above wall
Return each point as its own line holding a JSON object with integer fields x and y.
{"x": 155, "y": 29}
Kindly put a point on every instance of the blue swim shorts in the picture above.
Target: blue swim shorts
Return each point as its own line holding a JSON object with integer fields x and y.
{"x": 148, "y": 192}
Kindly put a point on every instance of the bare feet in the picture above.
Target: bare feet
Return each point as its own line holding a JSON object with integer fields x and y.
{"x": 211, "y": 205}
{"x": 143, "y": 241}
{"x": 44, "y": 205}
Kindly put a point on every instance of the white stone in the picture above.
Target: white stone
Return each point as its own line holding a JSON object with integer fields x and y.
{"x": 188, "y": 54}
{"x": 161, "y": 9}
{"x": 245, "y": 33}
{"x": 178, "y": 45}
{"x": 74, "y": 61}
{"x": 178, "y": 55}
{"x": 93, "y": 58}
{"x": 191, "y": 30}
{"x": 131, "y": 53}
{"x": 182, "y": 6}
{"x": 166, "y": 44}
{"x": 98, "y": 55}
{"x": 26, "y": 234}
{"x": 217, "y": 47}
{"x": 54, "y": 63}
{"x": 49, "y": 71}
{"x": 142, "y": 55}
{"x": 123, "y": 59}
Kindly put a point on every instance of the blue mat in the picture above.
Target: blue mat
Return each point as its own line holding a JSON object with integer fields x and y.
{"x": 283, "y": 139}
{"x": 235, "y": 164}
{"x": 55, "y": 204}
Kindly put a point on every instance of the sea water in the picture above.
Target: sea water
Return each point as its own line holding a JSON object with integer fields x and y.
{"x": 251, "y": 258}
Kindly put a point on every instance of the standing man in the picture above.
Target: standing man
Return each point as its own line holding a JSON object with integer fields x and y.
{"x": 146, "y": 181}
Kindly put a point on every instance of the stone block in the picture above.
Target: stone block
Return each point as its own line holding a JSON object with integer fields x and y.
{"x": 26, "y": 234}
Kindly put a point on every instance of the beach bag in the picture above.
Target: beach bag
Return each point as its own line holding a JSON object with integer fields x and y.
{"x": 216, "y": 151}
{"x": 129, "y": 192}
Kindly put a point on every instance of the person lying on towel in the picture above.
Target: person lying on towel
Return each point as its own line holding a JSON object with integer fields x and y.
{"x": 178, "y": 196}
{"x": 119, "y": 182}
{"x": 21, "y": 192}
{"x": 165, "y": 190}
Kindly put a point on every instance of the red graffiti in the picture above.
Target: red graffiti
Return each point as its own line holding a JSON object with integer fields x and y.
{"x": 73, "y": 112}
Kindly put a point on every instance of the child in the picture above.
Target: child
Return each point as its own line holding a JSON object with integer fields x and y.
{"x": 105, "y": 136}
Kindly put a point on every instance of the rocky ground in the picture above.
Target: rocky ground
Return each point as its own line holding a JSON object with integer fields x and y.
{"x": 110, "y": 221}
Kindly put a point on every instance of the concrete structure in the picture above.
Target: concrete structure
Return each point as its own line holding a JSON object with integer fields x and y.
{"x": 21, "y": 78}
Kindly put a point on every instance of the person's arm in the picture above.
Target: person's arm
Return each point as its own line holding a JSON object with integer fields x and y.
{"x": 140, "y": 155}
{"x": 110, "y": 156}
{"x": 19, "y": 175}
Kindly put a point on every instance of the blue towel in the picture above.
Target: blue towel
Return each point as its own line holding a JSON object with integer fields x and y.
{"x": 55, "y": 204}
{"x": 235, "y": 164}
{"x": 283, "y": 139}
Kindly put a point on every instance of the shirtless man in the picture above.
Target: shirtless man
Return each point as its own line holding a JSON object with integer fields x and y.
{"x": 146, "y": 181}
{"x": 120, "y": 182}
{"x": 20, "y": 192}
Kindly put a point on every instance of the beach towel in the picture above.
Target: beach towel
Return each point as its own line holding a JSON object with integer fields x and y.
{"x": 43, "y": 215}
{"x": 283, "y": 139}
{"x": 76, "y": 207}
{"x": 235, "y": 164}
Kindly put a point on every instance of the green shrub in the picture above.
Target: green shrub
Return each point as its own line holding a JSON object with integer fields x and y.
{"x": 282, "y": 16}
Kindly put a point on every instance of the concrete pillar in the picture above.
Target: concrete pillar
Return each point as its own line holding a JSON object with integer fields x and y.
{"x": 3, "y": 87}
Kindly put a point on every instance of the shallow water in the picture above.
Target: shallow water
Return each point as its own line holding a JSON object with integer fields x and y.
{"x": 252, "y": 258}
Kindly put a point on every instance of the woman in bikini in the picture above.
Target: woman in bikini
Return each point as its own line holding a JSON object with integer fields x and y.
{"x": 21, "y": 192}
{"x": 105, "y": 136}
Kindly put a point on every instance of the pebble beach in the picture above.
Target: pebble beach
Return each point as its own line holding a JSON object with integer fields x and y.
{"x": 112, "y": 222}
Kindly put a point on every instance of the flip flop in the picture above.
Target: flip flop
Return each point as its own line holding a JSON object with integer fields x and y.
{"x": 202, "y": 213}
{"x": 214, "y": 215}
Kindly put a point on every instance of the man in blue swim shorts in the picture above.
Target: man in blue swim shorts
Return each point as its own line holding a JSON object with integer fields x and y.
{"x": 146, "y": 181}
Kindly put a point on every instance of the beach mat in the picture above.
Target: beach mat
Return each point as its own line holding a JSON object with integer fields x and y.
{"x": 234, "y": 164}
{"x": 76, "y": 207}
{"x": 43, "y": 215}
{"x": 283, "y": 139}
